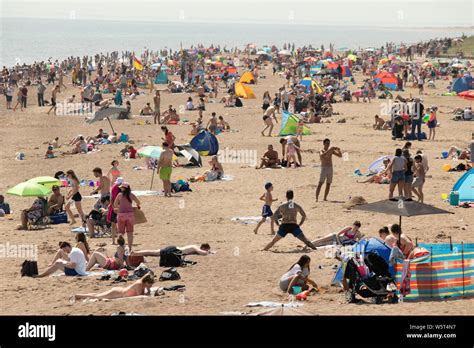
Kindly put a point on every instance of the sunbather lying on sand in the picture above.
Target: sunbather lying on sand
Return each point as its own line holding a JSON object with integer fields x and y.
{"x": 139, "y": 288}
{"x": 346, "y": 235}
{"x": 204, "y": 249}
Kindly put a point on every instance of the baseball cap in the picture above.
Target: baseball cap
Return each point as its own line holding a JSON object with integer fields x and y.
{"x": 268, "y": 185}
{"x": 124, "y": 184}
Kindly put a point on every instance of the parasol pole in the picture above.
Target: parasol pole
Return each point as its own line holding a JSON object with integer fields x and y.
{"x": 400, "y": 221}
{"x": 152, "y": 176}
{"x": 108, "y": 119}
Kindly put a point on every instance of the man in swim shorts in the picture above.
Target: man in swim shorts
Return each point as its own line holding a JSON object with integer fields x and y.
{"x": 326, "y": 175}
{"x": 288, "y": 212}
{"x": 165, "y": 168}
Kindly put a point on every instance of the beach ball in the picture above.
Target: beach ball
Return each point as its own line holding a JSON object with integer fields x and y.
{"x": 446, "y": 167}
{"x": 444, "y": 154}
{"x": 91, "y": 183}
{"x": 426, "y": 118}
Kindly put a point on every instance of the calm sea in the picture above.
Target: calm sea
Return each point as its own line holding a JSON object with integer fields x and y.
{"x": 27, "y": 40}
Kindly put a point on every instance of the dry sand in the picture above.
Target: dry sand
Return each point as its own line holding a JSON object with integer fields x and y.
{"x": 239, "y": 273}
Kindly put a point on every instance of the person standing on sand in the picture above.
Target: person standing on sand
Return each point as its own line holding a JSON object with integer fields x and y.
{"x": 157, "y": 102}
{"x": 327, "y": 171}
{"x": 40, "y": 91}
{"x": 288, "y": 212}
{"x": 165, "y": 168}
{"x": 54, "y": 96}
{"x": 267, "y": 207}
{"x": 123, "y": 207}
{"x": 104, "y": 184}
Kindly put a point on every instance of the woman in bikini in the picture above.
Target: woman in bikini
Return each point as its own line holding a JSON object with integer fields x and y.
{"x": 349, "y": 234}
{"x": 109, "y": 263}
{"x": 400, "y": 240}
{"x": 74, "y": 196}
{"x": 139, "y": 288}
{"x": 217, "y": 171}
{"x": 114, "y": 172}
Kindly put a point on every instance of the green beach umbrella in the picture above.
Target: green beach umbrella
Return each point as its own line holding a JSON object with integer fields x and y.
{"x": 153, "y": 152}
{"x": 150, "y": 151}
{"x": 47, "y": 181}
{"x": 29, "y": 189}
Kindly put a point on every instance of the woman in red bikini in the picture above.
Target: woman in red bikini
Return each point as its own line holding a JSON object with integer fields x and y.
{"x": 138, "y": 288}
{"x": 346, "y": 236}
{"x": 109, "y": 263}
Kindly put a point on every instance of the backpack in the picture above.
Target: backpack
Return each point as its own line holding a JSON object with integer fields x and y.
{"x": 29, "y": 268}
{"x": 170, "y": 274}
{"x": 141, "y": 270}
{"x": 171, "y": 257}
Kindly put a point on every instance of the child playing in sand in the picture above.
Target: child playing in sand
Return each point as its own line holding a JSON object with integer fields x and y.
{"x": 419, "y": 181}
{"x": 267, "y": 207}
{"x": 49, "y": 152}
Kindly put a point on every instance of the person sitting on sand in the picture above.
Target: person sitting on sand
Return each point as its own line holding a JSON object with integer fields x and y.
{"x": 380, "y": 123}
{"x": 382, "y": 177}
{"x": 216, "y": 172}
{"x": 284, "y": 142}
{"x": 81, "y": 243}
{"x": 170, "y": 115}
{"x": 270, "y": 158}
{"x": 298, "y": 275}
{"x": 74, "y": 265}
{"x": 56, "y": 201}
{"x": 189, "y": 104}
{"x": 49, "y": 152}
{"x": 147, "y": 110}
{"x": 4, "y": 206}
{"x": 80, "y": 146}
{"x": 34, "y": 213}
{"x": 384, "y": 232}
{"x": 193, "y": 249}
{"x": 222, "y": 125}
{"x": 288, "y": 212}
{"x": 348, "y": 235}
{"x": 138, "y": 288}
{"x": 109, "y": 263}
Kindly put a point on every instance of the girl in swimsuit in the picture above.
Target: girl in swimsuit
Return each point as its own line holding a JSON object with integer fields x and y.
{"x": 403, "y": 242}
{"x": 139, "y": 288}
{"x": 114, "y": 172}
{"x": 350, "y": 233}
{"x": 74, "y": 196}
{"x": 109, "y": 263}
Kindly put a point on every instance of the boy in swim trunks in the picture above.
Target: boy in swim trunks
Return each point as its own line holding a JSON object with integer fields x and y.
{"x": 165, "y": 168}
{"x": 325, "y": 156}
{"x": 267, "y": 207}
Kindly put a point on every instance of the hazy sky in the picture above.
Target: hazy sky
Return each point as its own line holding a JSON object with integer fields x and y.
{"x": 403, "y": 13}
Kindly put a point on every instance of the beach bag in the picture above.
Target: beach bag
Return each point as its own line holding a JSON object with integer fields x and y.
{"x": 139, "y": 216}
{"x": 135, "y": 261}
{"x": 29, "y": 268}
{"x": 171, "y": 257}
{"x": 170, "y": 274}
{"x": 419, "y": 252}
{"x": 141, "y": 270}
{"x": 59, "y": 218}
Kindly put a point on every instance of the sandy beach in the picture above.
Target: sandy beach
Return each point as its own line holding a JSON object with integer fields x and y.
{"x": 239, "y": 272}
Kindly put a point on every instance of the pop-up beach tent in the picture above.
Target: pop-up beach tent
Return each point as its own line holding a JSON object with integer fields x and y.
{"x": 247, "y": 77}
{"x": 465, "y": 186}
{"x": 460, "y": 85}
{"x": 289, "y": 124}
{"x": 310, "y": 83}
{"x": 205, "y": 143}
{"x": 244, "y": 91}
{"x": 388, "y": 79}
{"x": 161, "y": 78}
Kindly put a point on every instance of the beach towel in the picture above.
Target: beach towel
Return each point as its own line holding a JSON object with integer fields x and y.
{"x": 247, "y": 220}
{"x": 405, "y": 282}
{"x": 88, "y": 274}
{"x": 227, "y": 178}
{"x": 357, "y": 172}
{"x": 269, "y": 304}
